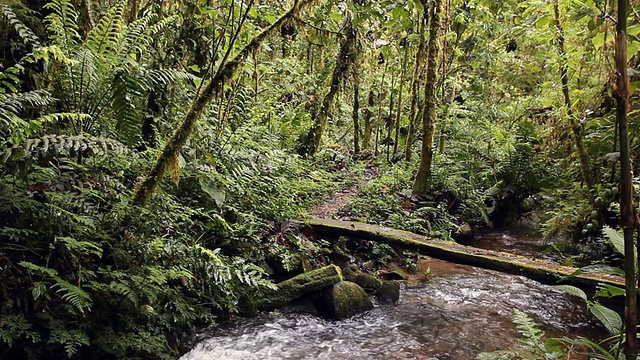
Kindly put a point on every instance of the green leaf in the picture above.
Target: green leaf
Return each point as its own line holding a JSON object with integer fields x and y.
{"x": 609, "y": 291}
{"x": 609, "y": 318}
{"x": 615, "y": 238}
{"x": 573, "y": 291}
{"x": 598, "y": 40}
{"x": 633, "y": 47}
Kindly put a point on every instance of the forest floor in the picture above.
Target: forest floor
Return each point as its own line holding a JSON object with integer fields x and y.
{"x": 333, "y": 208}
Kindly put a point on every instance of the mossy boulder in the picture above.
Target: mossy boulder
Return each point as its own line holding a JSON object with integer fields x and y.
{"x": 389, "y": 292}
{"x": 297, "y": 286}
{"x": 368, "y": 281}
{"x": 344, "y": 300}
{"x": 350, "y": 271}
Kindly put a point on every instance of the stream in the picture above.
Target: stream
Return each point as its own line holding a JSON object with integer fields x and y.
{"x": 450, "y": 312}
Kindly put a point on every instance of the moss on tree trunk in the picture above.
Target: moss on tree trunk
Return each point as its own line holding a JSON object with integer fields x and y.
{"x": 423, "y": 177}
{"x": 535, "y": 269}
{"x": 345, "y": 61}
{"x": 168, "y": 157}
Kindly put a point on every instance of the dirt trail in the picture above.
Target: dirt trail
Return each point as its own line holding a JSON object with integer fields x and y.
{"x": 333, "y": 207}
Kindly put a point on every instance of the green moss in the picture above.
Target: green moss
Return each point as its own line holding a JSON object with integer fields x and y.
{"x": 345, "y": 299}
{"x": 300, "y": 285}
{"x": 538, "y": 270}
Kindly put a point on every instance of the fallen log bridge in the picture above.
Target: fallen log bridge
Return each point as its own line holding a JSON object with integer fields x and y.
{"x": 536, "y": 269}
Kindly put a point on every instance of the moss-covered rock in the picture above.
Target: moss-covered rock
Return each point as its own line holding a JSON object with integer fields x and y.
{"x": 350, "y": 271}
{"x": 300, "y": 285}
{"x": 368, "y": 281}
{"x": 343, "y": 300}
{"x": 389, "y": 291}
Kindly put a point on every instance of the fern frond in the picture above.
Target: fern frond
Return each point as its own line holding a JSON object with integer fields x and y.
{"x": 62, "y": 23}
{"x": 9, "y": 79}
{"x": 127, "y": 88}
{"x": 104, "y": 38}
{"x": 72, "y": 294}
{"x": 28, "y": 36}
{"x": 136, "y": 37}
{"x": 79, "y": 247}
{"x": 125, "y": 291}
{"x": 531, "y": 335}
{"x": 71, "y": 339}
{"x": 163, "y": 24}
{"x": 63, "y": 145}
{"x": 17, "y": 102}
{"x": 168, "y": 76}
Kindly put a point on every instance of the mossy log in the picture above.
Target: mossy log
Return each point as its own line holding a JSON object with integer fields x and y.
{"x": 300, "y": 285}
{"x": 536, "y": 269}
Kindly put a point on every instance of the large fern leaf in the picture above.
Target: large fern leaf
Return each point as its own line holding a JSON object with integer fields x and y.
{"x": 28, "y": 36}
{"x": 62, "y": 23}
{"x": 104, "y": 38}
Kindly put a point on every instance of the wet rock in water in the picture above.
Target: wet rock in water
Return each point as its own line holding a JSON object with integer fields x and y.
{"x": 350, "y": 271}
{"x": 343, "y": 300}
{"x": 393, "y": 275}
{"x": 368, "y": 281}
{"x": 463, "y": 234}
{"x": 389, "y": 291}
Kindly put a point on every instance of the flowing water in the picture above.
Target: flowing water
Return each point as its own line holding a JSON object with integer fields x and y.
{"x": 454, "y": 313}
{"x": 522, "y": 240}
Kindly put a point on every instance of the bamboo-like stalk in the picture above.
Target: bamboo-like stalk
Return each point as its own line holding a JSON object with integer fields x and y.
{"x": 627, "y": 218}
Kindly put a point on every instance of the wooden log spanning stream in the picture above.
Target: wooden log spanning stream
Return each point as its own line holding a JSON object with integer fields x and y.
{"x": 536, "y": 269}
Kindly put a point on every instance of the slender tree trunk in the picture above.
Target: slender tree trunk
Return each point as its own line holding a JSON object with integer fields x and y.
{"x": 379, "y": 117}
{"x": 368, "y": 128}
{"x": 627, "y": 218}
{"x": 423, "y": 177}
{"x": 145, "y": 188}
{"x": 389, "y": 122}
{"x": 576, "y": 127}
{"x": 356, "y": 110}
{"x": 344, "y": 62}
{"x": 403, "y": 73}
{"x": 415, "y": 89}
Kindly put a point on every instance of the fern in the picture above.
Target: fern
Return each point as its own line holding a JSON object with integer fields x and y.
{"x": 71, "y": 339}
{"x": 62, "y": 23}
{"x": 28, "y": 36}
{"x": 68, "y": 292}
{"x": 104, "y": 38}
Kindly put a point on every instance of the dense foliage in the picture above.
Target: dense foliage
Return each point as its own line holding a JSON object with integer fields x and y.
{"x": 92, "y": 95}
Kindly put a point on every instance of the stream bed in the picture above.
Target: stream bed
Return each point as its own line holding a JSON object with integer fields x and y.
{"x": 456, "y": 312}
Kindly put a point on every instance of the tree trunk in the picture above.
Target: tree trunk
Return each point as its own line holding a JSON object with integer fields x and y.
{"x": 356, "y": 110}
{"x": 368, "y": 128}
{"x": 415, "y": 89}
{"x": 145, "y": 188}
{"x": 403, "y": 73}
{"x": 423, "y": 177}
{"x": 576, "y": 127}
{"x": 344, "y": 62}
{"x": 627, "y": 218}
